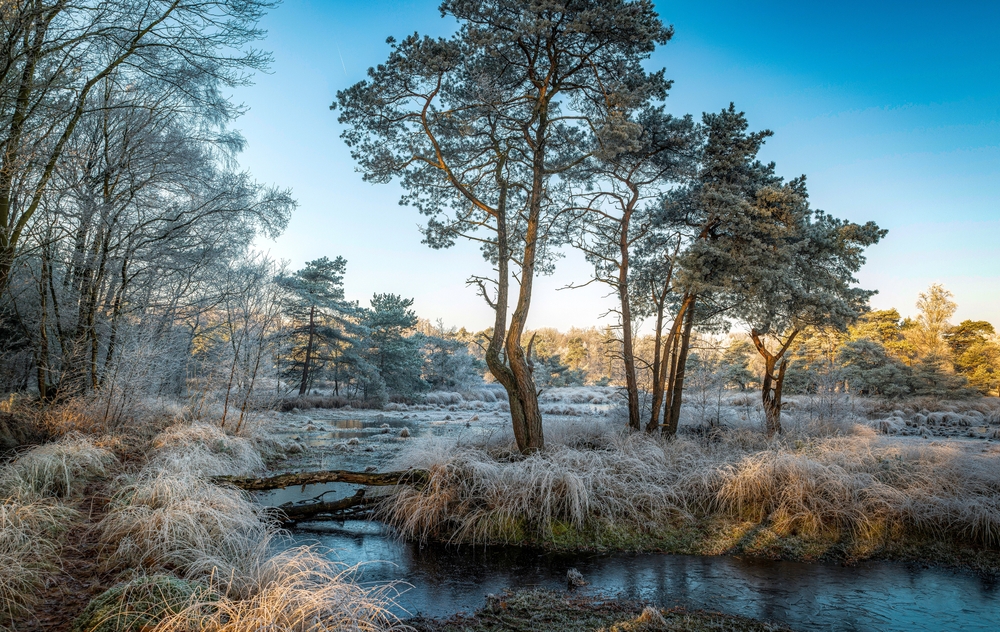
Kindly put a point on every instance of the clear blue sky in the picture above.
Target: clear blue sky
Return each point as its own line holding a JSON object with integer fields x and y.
{"x": 892, "y": 109}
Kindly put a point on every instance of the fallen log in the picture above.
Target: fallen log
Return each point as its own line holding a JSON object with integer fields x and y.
{"x": 413, "y": 478}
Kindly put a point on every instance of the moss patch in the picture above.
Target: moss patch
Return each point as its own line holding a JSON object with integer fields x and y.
{"x": 526, "y": 610}
{"x": 138, "y": 604}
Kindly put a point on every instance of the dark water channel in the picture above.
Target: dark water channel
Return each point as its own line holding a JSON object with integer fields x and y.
{"x": 441, "y": 581}
{"x": 875, "y": 596}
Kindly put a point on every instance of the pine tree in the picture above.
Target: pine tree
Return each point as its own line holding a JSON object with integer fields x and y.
{"x": 390, "y": 345}
{"x": 315, "y": 304}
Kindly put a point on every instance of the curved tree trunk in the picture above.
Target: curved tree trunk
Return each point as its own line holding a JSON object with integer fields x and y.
{"x": 772, "y": 383}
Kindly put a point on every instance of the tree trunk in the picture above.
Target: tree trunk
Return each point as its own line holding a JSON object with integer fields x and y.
{"x": 309, "y": 347}
{"x": 657, "y": 395}
{"x": 514, "y": 374}
{"x": 772, "y": 383}
{"x": 678, "y": 370}
{"x": 524, "y": 382}
{"x": 772, "y": 400}
{"x": 665, "y": 365}
{"x": 628, "y": 347}
{"x": 42, "y": 351}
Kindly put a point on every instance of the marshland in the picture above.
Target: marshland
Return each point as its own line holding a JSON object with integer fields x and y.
{"x": 606, "y": 366}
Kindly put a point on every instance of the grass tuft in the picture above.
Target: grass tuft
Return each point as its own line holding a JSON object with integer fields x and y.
{"x": 30, "y": 533}
{"x": 202, "y": 449}
{"x": 301, "y": 590}
{"x": 139, "y": 604}
{"x": 57, "y": 469}
{"x": 179, "y": 522}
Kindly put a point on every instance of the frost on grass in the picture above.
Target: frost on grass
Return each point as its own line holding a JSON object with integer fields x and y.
{"x": 33, "y": 517}
{"x": 164, "y": 520}
{"x": 56, "y": 469}
{"x": 30, "y": 531}
{"x": 202, "y": 449}
{"x": 300, "y": 589}
{"x": 861, "y": 483}
{"x": 170, "y": 519}
{"x": 140, "y": 603}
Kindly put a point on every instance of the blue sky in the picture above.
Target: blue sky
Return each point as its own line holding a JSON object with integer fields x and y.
{"x": 892, "y": 110}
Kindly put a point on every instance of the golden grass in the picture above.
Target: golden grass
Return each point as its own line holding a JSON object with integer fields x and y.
{"x": 865, "y": 485}
{"x": 300, "y": 590}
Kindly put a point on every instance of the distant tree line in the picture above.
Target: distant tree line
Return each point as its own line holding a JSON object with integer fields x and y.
{"x": 371, "y": 353}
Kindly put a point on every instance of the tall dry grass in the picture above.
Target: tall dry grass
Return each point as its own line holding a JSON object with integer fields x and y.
{"x": 202, "y": 449}
{"x": 56, "y": 469}
{"x": 33, "y": 517}
{"x": 170, "y": 518}
{"x": 30, "y": 539}
{"x": 299, "y": 590}
{"x": 183, "y": 523}
{"x": 867, "y": 485}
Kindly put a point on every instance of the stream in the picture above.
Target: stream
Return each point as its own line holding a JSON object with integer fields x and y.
{"x": 438, "y": 581}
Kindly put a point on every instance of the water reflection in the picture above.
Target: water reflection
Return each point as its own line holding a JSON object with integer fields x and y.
{"x": 875, "y": 596}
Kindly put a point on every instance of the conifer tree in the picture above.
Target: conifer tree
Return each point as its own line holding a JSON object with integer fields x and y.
{"x": 315, "y": 303}
{"x": 481, "y": 126}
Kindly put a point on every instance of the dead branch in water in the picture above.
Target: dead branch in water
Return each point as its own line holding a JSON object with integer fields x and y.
{"x": 354, "y": 506}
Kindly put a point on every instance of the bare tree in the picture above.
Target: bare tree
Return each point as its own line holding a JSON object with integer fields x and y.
{"x": 55, "y": 54}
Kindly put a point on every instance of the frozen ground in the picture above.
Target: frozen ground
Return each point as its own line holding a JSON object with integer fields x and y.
{"x": 346, "y": 438}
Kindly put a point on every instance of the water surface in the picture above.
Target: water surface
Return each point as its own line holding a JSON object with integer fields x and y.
{"x": 871, "y": 596}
